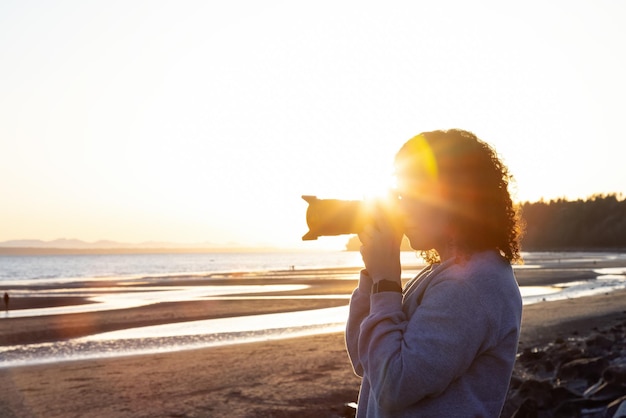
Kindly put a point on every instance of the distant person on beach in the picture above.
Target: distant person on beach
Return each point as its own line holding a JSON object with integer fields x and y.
{"x": 6, "y": 301}
{"x": 444, "y": 345}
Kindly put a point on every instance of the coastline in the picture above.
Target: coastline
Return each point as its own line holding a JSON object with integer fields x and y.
{"x": 304, "y": 377}
{"x": 334, "y": 284}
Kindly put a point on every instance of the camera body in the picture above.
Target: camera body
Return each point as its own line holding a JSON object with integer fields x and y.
{"x": 327, "y": 217}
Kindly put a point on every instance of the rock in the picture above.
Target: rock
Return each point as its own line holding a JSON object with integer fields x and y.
{"x": 604, "y": 391}
{"x": 575, "y": 408}
{"x": 528, "y": 409}
{"x": 589, "y": 369}
{"x": 616, "y": 409}
{"x": 615, "y": 374}
{"x": 571, "y": 377}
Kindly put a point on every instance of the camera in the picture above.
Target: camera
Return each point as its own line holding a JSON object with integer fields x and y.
{"x": 327, "y": 217}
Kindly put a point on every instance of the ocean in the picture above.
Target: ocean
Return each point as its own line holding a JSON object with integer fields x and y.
{"x": 21, "y": 272}
{"x": 46, "y": 268}
{"x": 39, "y": 269}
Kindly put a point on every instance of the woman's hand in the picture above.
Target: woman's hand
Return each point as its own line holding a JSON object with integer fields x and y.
{"x": 380, "y": 249}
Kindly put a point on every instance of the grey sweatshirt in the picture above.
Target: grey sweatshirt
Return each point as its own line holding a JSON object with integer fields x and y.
{"x": 445, "y": 347}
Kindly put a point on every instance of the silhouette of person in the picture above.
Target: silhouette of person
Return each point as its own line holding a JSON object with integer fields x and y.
{"x": 444, "y": 344}
{"x": 6, "y": 301}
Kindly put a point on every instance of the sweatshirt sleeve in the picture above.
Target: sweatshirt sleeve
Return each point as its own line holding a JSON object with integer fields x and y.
{"x": 359, "y": 309}
{"x": 407, "y": 360}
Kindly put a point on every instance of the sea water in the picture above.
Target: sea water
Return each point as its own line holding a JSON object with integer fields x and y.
{"x": 27, "y": 270}
{"x": 42, "y": 269}
{"x": 50, "y": 268}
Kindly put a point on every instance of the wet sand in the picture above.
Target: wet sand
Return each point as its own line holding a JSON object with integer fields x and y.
{"x": 303, "y": 377}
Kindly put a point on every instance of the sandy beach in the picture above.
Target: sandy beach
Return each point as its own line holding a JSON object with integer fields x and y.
{"x": 304, "y": 377}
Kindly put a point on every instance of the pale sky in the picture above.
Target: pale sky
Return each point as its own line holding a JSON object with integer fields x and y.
{"x": 205, "y": 121}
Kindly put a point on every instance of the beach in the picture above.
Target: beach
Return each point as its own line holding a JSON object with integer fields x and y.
{"x": 306, "y": 376}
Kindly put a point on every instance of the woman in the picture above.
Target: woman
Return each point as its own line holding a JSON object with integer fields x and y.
{"x": 445, "y": 344}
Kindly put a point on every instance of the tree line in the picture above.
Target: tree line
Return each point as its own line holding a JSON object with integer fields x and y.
{"x": 596, "y": 223}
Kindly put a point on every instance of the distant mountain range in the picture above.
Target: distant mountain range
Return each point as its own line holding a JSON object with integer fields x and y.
{"x": 102, "y": 244}
{"x": 76, "y": 246}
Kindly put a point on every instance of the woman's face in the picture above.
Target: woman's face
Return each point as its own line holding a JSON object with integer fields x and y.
{"x": 424, "y": 215}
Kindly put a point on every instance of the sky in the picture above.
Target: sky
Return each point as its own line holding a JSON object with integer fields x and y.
{"x": 205, "y": 121}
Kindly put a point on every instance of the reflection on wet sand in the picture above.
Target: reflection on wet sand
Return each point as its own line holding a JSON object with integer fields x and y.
{"x": 123, "y": 298}
{"x": 179, "y": 336}
{"x": 551, "y": 279}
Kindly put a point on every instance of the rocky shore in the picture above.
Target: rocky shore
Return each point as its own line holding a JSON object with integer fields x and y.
{"x": 572, "y": 376}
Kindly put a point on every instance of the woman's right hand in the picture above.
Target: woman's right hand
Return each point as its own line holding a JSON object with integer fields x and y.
{"x": 380, "y": 250}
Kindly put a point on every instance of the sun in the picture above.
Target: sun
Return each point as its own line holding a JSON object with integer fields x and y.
{"x": 379, "y": 187}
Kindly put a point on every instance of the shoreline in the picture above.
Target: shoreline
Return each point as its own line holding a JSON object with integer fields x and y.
{"x": 336, "y": 284}
{"x": 308, "y": 376}
{"x": 304, "y": 377}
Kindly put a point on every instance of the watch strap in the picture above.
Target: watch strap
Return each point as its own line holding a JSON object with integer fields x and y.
{"x": 386, "y": 286}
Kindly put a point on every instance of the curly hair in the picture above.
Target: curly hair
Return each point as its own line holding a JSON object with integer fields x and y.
{"x": 477, "y": 194}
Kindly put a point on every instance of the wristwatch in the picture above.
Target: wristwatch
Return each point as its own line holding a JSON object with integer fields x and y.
{"x": 386, "y": 286}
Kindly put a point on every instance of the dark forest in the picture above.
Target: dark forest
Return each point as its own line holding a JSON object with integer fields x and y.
{"x": 597, "y": 223}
